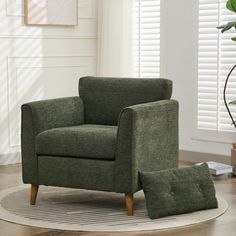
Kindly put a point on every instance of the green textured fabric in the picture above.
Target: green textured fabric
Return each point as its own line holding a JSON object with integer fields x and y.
{"x": 104, "y": 98}
{"x": 178, "y": 191}
{"x": 44, "y": 115}
{"x": 91, "y": 141}
{"x": 110, "y": 158}
{"x": 147, "y": 141}
{"x": 76, "y": 173}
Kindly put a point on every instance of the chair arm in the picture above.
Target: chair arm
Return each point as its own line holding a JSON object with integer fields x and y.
{"x": 147, "y": 140}
{"x": 40, "y": 116}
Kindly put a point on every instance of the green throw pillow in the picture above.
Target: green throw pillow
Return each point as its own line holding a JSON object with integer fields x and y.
{"x": 178, "y": 191}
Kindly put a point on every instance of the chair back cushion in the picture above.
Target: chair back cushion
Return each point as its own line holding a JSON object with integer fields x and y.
{"x": 104, "y": 98}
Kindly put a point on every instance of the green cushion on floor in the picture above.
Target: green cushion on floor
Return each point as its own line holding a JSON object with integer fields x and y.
{"x": 178, "y": 191}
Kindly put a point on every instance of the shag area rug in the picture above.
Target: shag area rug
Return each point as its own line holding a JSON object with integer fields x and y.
{"x": 83, "y": 210}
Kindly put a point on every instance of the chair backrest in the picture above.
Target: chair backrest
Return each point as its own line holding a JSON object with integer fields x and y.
{"x": 104, "y": 98}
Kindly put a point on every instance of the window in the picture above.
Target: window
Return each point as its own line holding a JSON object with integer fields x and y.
{"x": 147, "y": 38}
{"x": 217, "y": 55}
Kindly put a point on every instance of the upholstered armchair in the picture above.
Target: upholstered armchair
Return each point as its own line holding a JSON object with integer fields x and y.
{"x": 101, "y": 139}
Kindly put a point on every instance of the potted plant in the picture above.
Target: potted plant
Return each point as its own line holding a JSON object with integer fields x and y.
{"x": 230, "y": 5}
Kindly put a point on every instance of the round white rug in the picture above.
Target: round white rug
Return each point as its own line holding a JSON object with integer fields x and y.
{"x": 83, "y": 210}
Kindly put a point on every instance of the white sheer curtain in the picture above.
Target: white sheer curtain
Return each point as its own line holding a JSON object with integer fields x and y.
{"x": 115, "y": 31}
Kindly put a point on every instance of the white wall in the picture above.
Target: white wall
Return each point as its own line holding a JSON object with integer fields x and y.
{"x": 46, "y": 62}
{"x": 179, "y": 54}
{"x": 39, "y": 63}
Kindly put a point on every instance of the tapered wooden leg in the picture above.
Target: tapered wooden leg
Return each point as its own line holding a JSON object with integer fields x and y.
{"x": 129, "y": 201}
{"x": 33, "y": 195}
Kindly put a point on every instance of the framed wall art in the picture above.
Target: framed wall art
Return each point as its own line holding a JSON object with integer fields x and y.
{"x": 51, "y": 12}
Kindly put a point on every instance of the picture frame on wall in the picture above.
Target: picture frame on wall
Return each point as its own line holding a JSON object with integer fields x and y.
{"x": 51, "y": 12}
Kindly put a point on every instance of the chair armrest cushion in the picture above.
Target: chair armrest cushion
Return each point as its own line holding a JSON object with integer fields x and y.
{"x": 54, "y": 113}
{"x": 44, "y": 115}
{"x": 147, "y": 141}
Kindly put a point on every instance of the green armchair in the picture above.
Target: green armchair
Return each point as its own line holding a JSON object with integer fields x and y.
{"x": 101, "y": 139}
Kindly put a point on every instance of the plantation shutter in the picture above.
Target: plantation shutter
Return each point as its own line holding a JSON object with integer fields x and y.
{"x": 147, "y": 38}
{"x": 216, "y": 56}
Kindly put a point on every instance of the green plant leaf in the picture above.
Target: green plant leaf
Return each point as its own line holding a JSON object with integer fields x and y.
{"x": 234, "y": 39}
{"x": 221, "y": 27}
{"x": 227, "y": 27}
{"x": 231, "y": 5}
{"x": 232, "y": 102}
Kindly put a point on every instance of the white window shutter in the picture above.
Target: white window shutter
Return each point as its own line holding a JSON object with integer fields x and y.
{"x": 147, "y": 38}
{"x": 216, "y": 56}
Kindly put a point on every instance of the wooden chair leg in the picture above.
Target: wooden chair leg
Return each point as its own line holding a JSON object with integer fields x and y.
{"x": 129, "y": 201}
{"x": 33, "y": 195}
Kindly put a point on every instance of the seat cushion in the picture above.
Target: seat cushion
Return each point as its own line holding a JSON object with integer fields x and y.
{"x": 85, "y": 141}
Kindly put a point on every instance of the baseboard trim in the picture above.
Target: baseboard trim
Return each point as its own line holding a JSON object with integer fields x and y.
{"x": 10, "y": 158}
{"x": 191, "y": 156}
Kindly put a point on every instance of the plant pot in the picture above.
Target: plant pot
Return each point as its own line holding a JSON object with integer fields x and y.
{"x": 233, "y": 160}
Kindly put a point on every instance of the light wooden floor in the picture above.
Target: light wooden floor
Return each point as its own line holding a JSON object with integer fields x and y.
{"x": 225, "y": 225}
